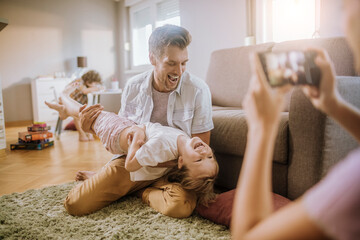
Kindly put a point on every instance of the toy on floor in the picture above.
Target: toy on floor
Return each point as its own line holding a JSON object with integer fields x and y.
{"x": 36, "y": 138}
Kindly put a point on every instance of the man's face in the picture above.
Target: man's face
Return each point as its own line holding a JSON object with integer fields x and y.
{"x": 168, "y": 68}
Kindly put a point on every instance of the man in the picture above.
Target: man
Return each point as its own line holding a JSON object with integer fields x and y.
{"x": 167, "y": 95}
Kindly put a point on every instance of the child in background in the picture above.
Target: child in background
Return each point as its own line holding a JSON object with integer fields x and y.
{"x": 152, "y": 152}
{"x": 88, "y": 83}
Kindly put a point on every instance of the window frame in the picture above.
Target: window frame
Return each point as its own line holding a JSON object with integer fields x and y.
{"x": 132, "y": 7}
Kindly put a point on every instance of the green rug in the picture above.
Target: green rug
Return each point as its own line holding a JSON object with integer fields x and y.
{"x": 39, "y": 214}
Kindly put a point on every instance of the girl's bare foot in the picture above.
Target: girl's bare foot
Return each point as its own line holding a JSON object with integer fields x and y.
{"x": 83, "y": 175}
{"x": 90, "y": 136}
{"x": 60, "y": 108}
{"x": 83, "y": 137}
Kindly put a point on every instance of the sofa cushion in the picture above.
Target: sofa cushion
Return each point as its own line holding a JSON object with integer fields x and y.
{"x": 229, "y": 74}
{"x": 317, "y": 142}
{"x": 337, "y": 48}
{"x": 230, "y": 131}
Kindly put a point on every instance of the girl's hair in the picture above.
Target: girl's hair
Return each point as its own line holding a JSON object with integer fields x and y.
{"x": 203, "y": 187}
{"x": 90, "y": 77}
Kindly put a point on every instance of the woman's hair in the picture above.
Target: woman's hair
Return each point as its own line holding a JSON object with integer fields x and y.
{"x": 203, "y": 187}
{"x": 168, "y": 35}
{"x": 90, "y": 77}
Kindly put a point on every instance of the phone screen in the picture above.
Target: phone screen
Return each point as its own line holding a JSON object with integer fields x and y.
{"x": 290, "y": 67}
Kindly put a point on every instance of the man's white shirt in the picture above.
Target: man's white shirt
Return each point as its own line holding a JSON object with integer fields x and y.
{"x": 188, "y": 107}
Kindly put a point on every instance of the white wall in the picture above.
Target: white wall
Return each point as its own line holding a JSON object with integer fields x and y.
{"x": 213, "y": 24}
{"x": 331, "y": 18}
{"x": 44, "y": 37}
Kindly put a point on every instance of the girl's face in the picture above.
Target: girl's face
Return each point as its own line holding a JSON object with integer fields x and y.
{"x": 198, "y": 158}
{"x": 352, "y": 27}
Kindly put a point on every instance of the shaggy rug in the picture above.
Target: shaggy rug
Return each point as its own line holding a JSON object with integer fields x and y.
{"x": 39, "y": 214}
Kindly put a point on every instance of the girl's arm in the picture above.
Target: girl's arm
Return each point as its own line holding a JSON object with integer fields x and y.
{"x": 252, "y": 216}
{"x": 136, "y": 138}
{"x": 86, "y": 90}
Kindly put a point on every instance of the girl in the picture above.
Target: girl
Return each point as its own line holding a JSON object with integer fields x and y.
{"x": 88, "y": 83}
{"x": 152, "y": 150}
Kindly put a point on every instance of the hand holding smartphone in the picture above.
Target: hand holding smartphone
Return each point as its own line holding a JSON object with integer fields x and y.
{"x": 290, "y": 67}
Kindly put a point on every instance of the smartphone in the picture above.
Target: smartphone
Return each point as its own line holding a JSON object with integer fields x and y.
{"x": 290, "y": 67}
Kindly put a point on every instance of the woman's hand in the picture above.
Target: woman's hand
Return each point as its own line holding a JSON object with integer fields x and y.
{"x": 88, "y": 116}
{"x": 262, "y": 103}
{"x": 326, "y": 96}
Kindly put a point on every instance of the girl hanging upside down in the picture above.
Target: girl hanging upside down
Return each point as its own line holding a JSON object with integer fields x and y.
{"x": 152, "y": 151}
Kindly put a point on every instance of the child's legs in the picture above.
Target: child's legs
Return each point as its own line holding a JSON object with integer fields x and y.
{"x": 111, "y": 129}
{"x": 71, "y": 106}
{"x": 170, "y": 199}
{"x": 82, "y": 135}
{"x": 110, "y": 184}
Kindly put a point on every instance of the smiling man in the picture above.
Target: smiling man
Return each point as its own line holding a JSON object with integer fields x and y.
{"x": 167, "y": 95}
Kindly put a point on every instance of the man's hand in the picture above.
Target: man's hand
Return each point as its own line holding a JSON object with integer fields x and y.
{"x": 88, "y": 116}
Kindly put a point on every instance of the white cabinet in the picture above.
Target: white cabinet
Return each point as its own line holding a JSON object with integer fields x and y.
{"x": 2, "y": 121}
{"x": 46, "y": 89}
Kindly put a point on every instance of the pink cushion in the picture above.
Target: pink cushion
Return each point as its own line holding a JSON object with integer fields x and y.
{"x": 71, "y": 126}
{"x": 220, "y": 210}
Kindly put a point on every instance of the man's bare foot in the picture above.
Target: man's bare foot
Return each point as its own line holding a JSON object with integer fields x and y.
{"x": 60, "y": 108}
{"x": 83, "y": 175}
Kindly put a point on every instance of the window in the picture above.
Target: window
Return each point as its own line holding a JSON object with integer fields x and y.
{"x": 167, "y": 12}
{"x": 145, "y": 16}
{"x": 285, "y": 20}
{"x": 141, "y": 31}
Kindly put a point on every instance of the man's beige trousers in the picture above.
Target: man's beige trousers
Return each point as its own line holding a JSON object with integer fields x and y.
{"x": 113, "y": 182}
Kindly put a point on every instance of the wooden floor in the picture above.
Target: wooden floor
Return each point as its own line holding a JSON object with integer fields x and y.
{"x": 21, "y": 170}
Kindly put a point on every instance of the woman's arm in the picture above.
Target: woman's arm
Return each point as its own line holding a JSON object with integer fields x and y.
{"x": 252, "y": 216}
{"x": 327, "y": 98}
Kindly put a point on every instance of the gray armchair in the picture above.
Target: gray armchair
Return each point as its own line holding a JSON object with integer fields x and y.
{"x": 308, "y": 142}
